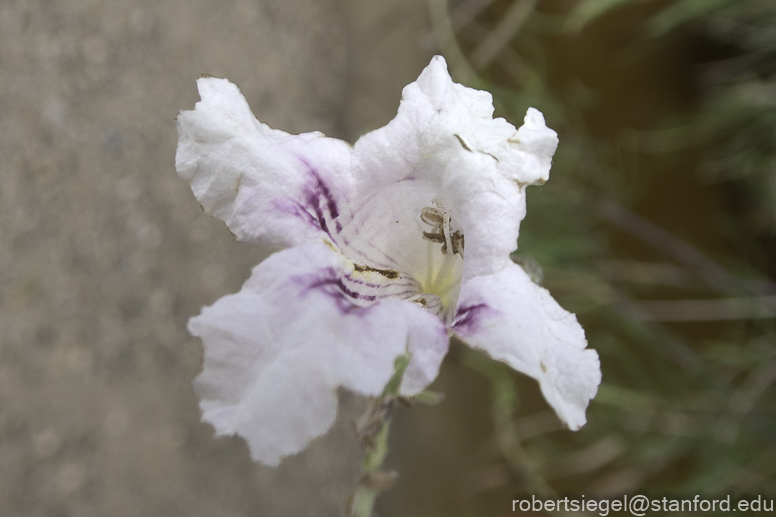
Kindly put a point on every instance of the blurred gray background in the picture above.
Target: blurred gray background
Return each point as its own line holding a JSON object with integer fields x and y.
{"x": 105, "y": 254}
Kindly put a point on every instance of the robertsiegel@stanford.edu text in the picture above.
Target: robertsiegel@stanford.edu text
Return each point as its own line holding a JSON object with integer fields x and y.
{"x": 639, "y": 505}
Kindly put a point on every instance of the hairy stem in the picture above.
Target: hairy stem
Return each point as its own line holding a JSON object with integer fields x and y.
{"x": 372, "y": 481}
{"x": 372, "y": 431}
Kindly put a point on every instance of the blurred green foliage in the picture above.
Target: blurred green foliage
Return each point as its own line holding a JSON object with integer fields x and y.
{"x": 686, "y": 405}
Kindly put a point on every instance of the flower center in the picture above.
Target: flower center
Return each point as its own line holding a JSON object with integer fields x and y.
{"x": 442, "y": 277}
{"x": 395, "y": 263}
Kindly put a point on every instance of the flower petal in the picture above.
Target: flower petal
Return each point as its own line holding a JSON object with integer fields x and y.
{"x": 276, "y": 351}
{"x": 516, "y": 321}
{"x": 268, "y": 186}
{"x": 445, "y": 143}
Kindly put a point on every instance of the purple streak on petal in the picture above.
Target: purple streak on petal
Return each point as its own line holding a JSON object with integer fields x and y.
{"x": 468, "y": 319}
{"x": 317, "y": 202}
{"x": 339, "y": 283}
{"x": 333, "y": 283}
{"x": 313, "y": 202}
{"x": 318, "y": 192}
{"x": 292, "y": 207}
{"x": 344, "y": 289}
{"x": 326, "y": 281}
{"x": 331, "y": 205}
{"x": 329, "y": 282}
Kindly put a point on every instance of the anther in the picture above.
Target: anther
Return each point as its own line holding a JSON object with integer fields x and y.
{"x": 434, "y": 237}
{"x": 432, "y": 217}
{"x": 438, "y": 219}
{"x": 457, "y": 242}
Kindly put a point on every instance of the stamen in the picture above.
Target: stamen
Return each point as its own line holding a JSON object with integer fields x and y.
{"x": 431, "y": 216}
{"x": 457, "y": 240}
{"x": 441, "y": 275}
{"x": 440, "y": 278}
{"x": 448, "y": 245}
{"x": 434, "y": 237}
{"x": 440, "y": 233}
{"x": 429, "y": 262}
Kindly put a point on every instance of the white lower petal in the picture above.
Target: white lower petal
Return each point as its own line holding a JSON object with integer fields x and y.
{"x": 276, "y": 352}
{"x": 516, "y": 321}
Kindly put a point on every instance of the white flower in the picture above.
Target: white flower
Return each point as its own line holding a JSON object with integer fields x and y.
{"x": 391, "y": 246}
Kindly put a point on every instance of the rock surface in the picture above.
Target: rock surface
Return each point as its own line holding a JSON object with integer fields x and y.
{"x": 105, "y": 254}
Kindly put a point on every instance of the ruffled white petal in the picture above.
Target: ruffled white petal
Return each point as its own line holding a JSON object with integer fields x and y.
{"x": 446, "y": 144}
{"x": 268, "y": 186}
{"x": 276, "y": 351}
{"x": 516, "y": 321}
{"x": 534, "y": 144}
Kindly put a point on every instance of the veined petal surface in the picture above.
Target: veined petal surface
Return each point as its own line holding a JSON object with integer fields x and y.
{"x": 276, "y": 351}
{"x": 514, "y": 320}
{"x": 266, "y": 185}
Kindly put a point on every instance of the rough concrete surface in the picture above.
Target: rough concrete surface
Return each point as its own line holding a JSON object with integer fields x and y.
{"x": 105, "y": 254}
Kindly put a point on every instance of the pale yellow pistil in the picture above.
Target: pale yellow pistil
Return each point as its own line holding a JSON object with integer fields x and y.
{"x": 443, "y": 276}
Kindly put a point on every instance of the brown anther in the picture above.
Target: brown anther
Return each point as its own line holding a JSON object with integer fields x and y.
{"x": 440, "y": 222}
{"x": 434, "y": 237}
{"x": 457, "y": 242}
{"x": 432, "y": 217}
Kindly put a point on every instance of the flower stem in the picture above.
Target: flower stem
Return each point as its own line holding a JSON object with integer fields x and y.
{"x": 372, "y": 430}
{"x": 366, "y": 493}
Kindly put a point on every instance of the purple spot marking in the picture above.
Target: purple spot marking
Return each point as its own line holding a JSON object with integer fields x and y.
{"x": 468, "y": 319}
